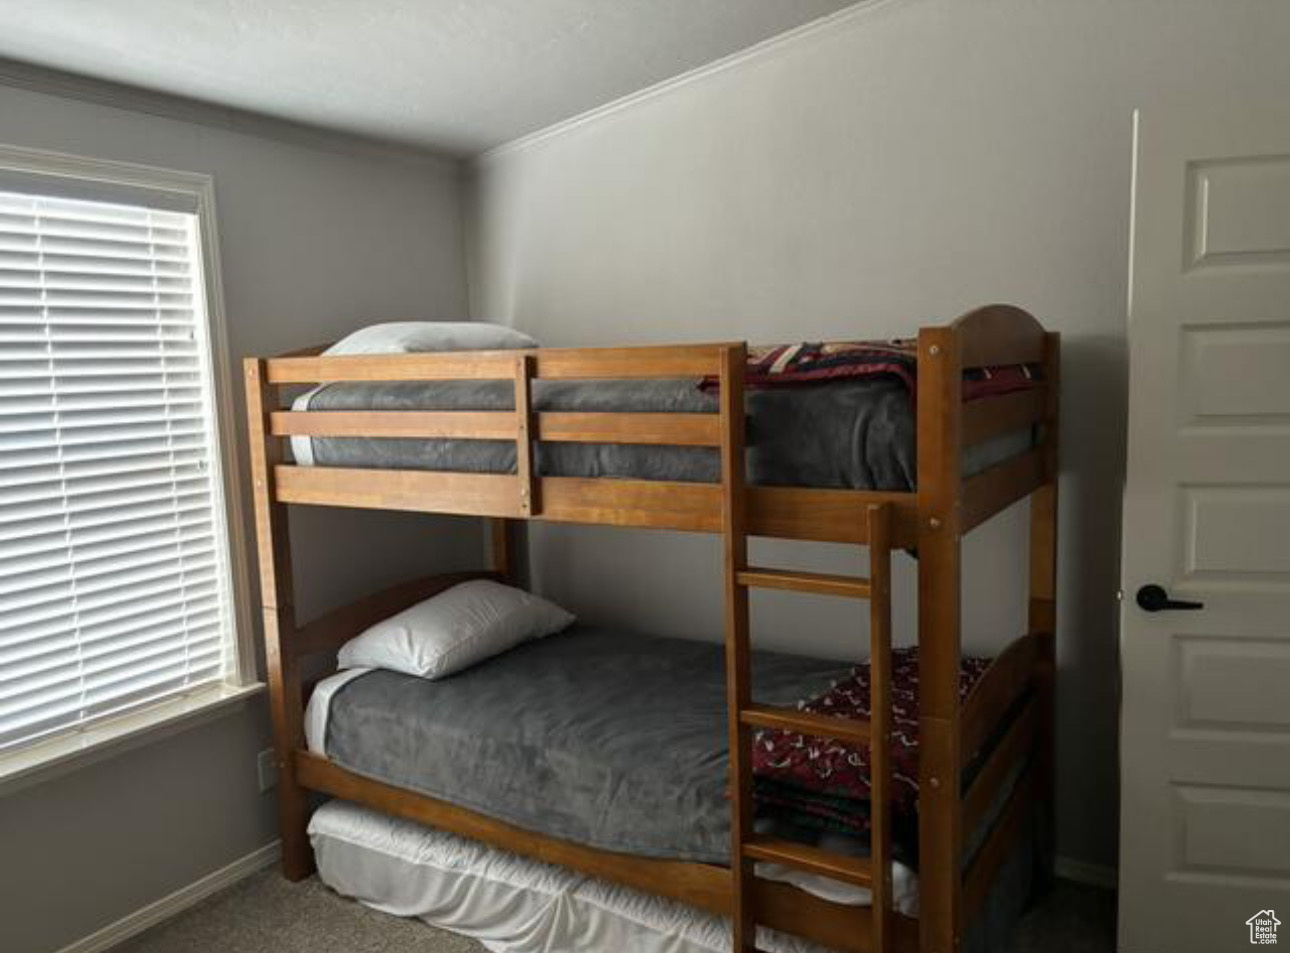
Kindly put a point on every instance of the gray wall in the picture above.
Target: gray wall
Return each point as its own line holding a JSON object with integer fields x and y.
{"x": 915, "y": 160}
{"x": 314, "y": 242}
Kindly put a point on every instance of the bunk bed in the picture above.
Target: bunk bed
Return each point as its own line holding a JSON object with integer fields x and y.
{"x": 985, "y": 765}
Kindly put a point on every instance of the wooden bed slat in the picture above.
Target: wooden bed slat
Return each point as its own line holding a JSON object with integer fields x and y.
{"x": 997, "y": 488}
{"x": 994, "y": 416}
{"x": 608, "y": 363}
{"x": 462, "y": 366}
{"x": 675, "y": 430}
{"x": 820, "y": 583}
{"x": 470, "y": 494}
{"x": 695, "y": 507}
{"x": 1013, "y": 749}
{"x": 998, "y": 845}
{"x": 843, "y": 867}
{"x": 849, "y": 730}
{"x": 424, "y": 424}
{"x": 832, "y": 516}
{"x": 628, "y": 363}
{"x": 1004, "y": 682}
{"x": 704, "y": 885}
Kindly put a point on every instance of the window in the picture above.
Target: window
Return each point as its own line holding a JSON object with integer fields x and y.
{"x": 115, "y": 576}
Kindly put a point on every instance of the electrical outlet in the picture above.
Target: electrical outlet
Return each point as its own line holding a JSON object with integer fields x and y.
{"x": 267, "y": 765}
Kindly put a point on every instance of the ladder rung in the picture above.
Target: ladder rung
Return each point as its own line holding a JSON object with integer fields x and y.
{"x": 851, "y": 587}
{"x": 852, "y": 870}
{"x": 808, "y": 723}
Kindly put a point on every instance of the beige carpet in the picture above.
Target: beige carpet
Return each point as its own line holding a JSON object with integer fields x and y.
{"x": 265, "y": 914}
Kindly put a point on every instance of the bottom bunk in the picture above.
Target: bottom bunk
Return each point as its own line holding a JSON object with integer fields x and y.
{"x": 606, "y": 751}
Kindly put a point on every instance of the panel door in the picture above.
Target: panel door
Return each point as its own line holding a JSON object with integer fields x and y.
{"x": 1205, "y": 733}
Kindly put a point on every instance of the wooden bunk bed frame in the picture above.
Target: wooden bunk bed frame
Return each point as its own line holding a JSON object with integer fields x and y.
{"x": 931, "y": 520}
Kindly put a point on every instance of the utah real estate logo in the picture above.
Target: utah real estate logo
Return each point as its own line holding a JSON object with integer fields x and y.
{"x": 1263, "y": 927}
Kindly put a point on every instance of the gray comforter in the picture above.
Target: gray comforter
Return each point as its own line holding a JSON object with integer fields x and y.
{"x": 854, "y": 434}
{"x": 597, "y": 736}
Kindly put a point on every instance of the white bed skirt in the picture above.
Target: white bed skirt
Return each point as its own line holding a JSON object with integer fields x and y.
{"x": 509, "y": 903}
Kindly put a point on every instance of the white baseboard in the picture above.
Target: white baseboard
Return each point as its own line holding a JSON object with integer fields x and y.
{"x": 135, "y": 923}
{"x": 1095, "y": 875}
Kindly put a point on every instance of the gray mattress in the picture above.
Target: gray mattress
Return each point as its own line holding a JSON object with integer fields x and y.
{"x": 848, "y": 434}
{"x": 598, "y": 736}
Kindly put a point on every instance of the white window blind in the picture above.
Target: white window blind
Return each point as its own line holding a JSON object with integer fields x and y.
{"x": 113, "y": 560}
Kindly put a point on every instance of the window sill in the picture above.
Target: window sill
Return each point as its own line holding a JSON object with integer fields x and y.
{"x": 63, "y": 753}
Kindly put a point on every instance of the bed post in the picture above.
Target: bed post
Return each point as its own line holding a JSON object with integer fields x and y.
{"x": 940, "y": 396}
{"x": 504, "y": 548}
{"x": 738, "y": 644}
{"x": 274, "y": 550}
{"x": 1043, "y": 593}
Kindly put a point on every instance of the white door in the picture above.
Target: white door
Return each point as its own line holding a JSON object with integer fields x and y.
{"x": 1205, "y": 729}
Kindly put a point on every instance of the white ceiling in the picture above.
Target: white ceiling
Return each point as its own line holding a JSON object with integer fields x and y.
{"x": 458, "y": 76}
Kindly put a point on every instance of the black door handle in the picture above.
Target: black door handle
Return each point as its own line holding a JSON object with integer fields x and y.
{"x": 1154, "y": 598}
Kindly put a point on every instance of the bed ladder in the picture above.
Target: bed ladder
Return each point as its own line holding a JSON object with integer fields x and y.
{"x": 745, "y": 715}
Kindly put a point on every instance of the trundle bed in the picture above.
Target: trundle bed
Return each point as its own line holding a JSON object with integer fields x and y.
{"x": 656, "y": 791}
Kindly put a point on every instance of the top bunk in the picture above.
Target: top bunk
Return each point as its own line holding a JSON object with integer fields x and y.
{"x": 635, "y": 436}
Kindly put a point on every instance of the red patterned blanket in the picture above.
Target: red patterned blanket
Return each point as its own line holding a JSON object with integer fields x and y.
{"x": 781, "y": 365}
{"x": 821, "y": 783}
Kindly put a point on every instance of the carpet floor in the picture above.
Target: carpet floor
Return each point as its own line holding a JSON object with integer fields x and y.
{"x": 266, "y": 914}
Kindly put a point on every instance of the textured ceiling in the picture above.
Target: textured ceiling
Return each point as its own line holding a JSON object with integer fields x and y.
{"x": 459, "y": 76}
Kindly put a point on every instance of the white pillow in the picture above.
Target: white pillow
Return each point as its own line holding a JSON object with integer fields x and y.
{"x": 416, "y": 337}
{"x": 446, "y": 633}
